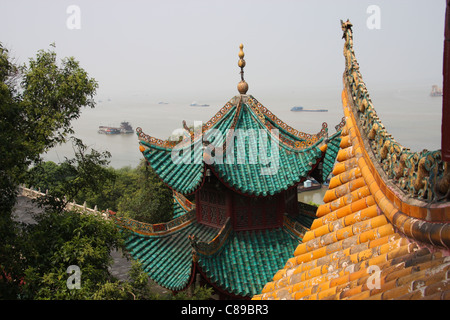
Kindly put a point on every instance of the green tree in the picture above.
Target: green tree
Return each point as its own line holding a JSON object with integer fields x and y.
{"x": 59, "y": 240}
{"x": 87, "y": 173}
{"x": 126, "y": 181}
{"x": 133, "y": 192}
{"x": 45, "y": 176}
{"x": 152, "y": 202}
{"x": 38, "y": 101}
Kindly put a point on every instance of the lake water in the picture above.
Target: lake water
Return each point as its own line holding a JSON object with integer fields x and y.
{"x": 409, "y": 114}
{"x": 315, "y": 196}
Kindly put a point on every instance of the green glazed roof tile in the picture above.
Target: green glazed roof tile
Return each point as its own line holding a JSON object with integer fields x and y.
{"x": 184, "y": 178}
{"x": 168, "y": 258}
{"x": 248, "y": 260}
{"x": 296, "y": 152}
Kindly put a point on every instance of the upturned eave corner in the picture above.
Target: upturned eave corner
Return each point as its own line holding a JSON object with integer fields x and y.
{"x": 420, "y": 175}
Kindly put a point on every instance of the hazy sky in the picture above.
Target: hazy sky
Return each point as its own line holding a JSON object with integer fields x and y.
{"x": 191, "y": 47}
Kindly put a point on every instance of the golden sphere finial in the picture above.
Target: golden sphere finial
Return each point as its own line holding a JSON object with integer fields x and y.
{"x": 241, "y": 52}
{"x": 242, "y": 86}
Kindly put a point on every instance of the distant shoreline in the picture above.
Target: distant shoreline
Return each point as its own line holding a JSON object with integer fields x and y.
{"x": 301, "y": 109}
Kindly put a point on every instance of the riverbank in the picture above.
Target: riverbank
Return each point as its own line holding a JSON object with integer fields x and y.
{"x": 315, "y": 196}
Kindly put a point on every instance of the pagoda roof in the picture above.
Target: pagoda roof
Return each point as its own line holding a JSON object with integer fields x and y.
{"x": 382, "y": 233}
{"x": 171, "y": 253}
{"x": 167, "y": 258}
{"x": 236, "y": 267}
{"x": 181, "y": 205}
{"x": 266, "y": 165}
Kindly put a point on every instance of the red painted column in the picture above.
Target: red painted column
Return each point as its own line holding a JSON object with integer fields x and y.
{"x": 198, "y": 206}
{"x": 445, "y": 128}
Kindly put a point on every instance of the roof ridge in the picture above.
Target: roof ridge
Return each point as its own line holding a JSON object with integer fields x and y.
{"x": 362, "y": 245}
{"x": 261, "y": 112}
{"x": 422, "y": 175}
{"x": 308, "y": 139}
{"x": 168, "y": 144}
{"x": 437, "y": 233}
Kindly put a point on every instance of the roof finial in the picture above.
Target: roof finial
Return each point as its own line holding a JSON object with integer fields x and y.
{"x": 242, "y": 85}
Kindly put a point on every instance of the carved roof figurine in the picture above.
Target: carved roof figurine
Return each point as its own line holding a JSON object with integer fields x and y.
{"x": 384, "y": 230}
{"x": 346, "y": 28}
{"x": 243, "y": 167}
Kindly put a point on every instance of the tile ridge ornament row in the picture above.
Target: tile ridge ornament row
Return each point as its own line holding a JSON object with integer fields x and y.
{"x": 421, "y": 175}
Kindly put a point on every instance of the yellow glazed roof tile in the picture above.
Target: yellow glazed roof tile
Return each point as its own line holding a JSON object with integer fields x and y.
{"x": 367, "y": 242}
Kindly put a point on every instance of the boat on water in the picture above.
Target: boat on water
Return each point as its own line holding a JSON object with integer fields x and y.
{"x": 308, "y": 185}
{"x": 436, "y": 91}
{"x": 124, "y": 128}
{"x": 108, "y": 130}
{"x": 195, "y": 104}
{"x": 299, "y": 108}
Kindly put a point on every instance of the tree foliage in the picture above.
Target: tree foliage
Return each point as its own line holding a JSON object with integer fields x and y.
{"x": 59, "y": 240}
{"x": 52, "y": 97}
{"x": 151, "y": 202}
{"x": 75, "y": 177}
{"x": 38, "y": 101}
{"x": 136, "y": 193}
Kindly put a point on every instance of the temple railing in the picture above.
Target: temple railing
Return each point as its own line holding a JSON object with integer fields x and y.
{"x": 295, "y": 227}
{"x": 213, "y": 246}
{"x": 422, "y": 175}
{"x": 33, "y": 194}
{"x": 154, "y": 229}
{"x": 183, "y": 201}
{"x": 300, "y": 223}
{"x": 134, "y": 225}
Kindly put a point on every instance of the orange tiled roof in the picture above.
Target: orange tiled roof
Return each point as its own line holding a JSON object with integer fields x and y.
{"x": 369, "y": 240}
